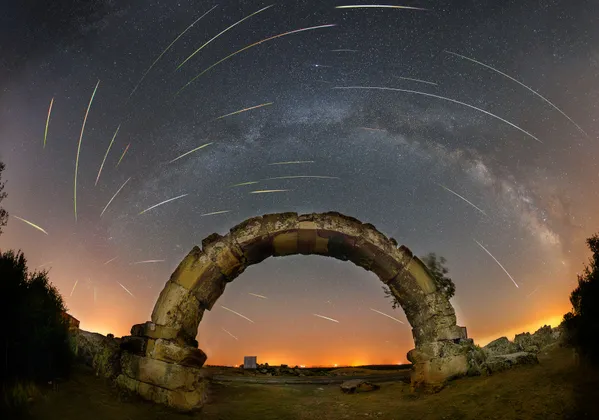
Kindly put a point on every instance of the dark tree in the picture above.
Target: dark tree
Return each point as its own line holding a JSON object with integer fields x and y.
{"x": 436, "y": 266}
{"x": 3, "y": 213}
{"x": 582, "y": 323}
{"x": 34, "y": 343}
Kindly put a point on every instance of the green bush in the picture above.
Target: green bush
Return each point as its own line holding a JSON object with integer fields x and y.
{"x": 34, "y": 339}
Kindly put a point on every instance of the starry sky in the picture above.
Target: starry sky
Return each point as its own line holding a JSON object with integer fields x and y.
{"x": 461, "y": 157}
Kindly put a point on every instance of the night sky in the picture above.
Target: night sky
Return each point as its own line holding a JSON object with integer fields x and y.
{"x": 395, "y": 159}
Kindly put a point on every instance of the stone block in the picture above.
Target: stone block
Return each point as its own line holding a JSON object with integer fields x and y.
{"x": 177, "y": 308}
{"x": 193, "y": 269}
{"x": 152, "y": 330}
{"x": 134, "y": 344}
{"x": 285, "y": 243}
{"x": 306, "y": 237}
{"x": 257, "y": 250}
{"x": 419, "y": 271}
{"x": 180, "y": 400}
{"x": 210, "y": 288}
{"x": 280, "y": 223}
{"x": 247, "y": 231}
{"x": 172, "y": 353}
{"x": 160, "y": 373}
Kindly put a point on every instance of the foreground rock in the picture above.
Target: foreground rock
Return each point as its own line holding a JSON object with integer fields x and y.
{"x": 102, "y": 353}
{"x": 502, "y": 362}
{"x": 501, "y": 346}
{"x": 358, "y": 385}
{"x": 525, "y": 342}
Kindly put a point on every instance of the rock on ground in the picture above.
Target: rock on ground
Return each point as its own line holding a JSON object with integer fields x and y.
{"x": 358, "y": 385}
{"x": 100, "y": 352}
{"x": 501, "y": 346}
{"x": 506, "y": 361}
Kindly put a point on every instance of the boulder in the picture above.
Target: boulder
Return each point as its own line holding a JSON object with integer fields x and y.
{"x": 100, "y": 352}
{"x": 501, "y": 346}
{"x": 358, "y": 385}
{"x": 533, "y": 343}
{"x": 498, "y": 363}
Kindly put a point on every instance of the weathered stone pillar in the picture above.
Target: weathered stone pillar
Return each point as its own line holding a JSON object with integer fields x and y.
{"x": 157, "y": 365}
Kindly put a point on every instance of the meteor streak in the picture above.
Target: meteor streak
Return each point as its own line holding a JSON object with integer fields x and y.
{"x": 126, "y": 290}
{"x": 123, "y": 155}
{"x": 48, "y": 121}
{"x": 147, "y": 262}
{"x": 250, "y": 46}
{"x": 79, "y": 148}
{"x": 245, "y": 183}
{"x": 111, "y": 260}
{"x": 244, "y": 110}
{"x": 230, "y": 27}
{"x": 164, "y": 52}
{"x": 443, "y": 98}
{"x": 456, "y": 194}
{"x": 73, "y": 289}
{"x": 230, "y": 334}
{"x": 236, "y": 313}
{"x": 31, "y": 224}
{"x": 326, "y": 317}
{"x": 417, "y": 80}
{"x": 294, "y": 162}
{"x": 377, "y": 6}
{"x": 498, "y": 263}
{"x": 191, "y": 151}
{"x": 344, "y": 50}
{"x": 115, "y": 194}
{"x": 214, "y": 213}
{"x": 266, "y": 191}
{"x": 388, "y": 316}
{"x": 106, "y": 155}
{"x": 521, "y": 84}
{"x": 161, "y": 203}
{"x": 258, "y": 296}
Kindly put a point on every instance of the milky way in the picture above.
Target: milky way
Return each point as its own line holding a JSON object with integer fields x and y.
{"x": 434, "y": 174}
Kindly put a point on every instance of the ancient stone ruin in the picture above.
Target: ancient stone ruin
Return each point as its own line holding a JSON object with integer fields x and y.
{"x": 161, "y": 360}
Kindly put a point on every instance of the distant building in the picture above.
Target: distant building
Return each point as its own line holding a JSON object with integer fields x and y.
{"x": 73, "y": 322}
{"x": 250, "y": 362}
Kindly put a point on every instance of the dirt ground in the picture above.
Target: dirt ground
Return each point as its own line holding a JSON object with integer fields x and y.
{"x": 554, "y": 389}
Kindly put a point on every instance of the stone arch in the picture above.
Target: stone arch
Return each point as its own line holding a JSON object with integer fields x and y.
{"x": 161, "y": 360}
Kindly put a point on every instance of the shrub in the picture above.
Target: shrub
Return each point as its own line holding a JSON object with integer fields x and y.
{"x": 34, "y": 343}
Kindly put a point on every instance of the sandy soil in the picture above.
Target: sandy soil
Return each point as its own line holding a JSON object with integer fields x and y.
{"x": 554, "y": 389}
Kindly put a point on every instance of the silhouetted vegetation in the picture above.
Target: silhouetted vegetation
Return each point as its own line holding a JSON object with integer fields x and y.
{"x": 3, "y": 213}
{"x": 437, "y": 267}
{"x": 582, "y": 323}
{"x": 34, "y": 340}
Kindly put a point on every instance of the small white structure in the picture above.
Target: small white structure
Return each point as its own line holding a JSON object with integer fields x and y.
{"x": 249, "y": 362}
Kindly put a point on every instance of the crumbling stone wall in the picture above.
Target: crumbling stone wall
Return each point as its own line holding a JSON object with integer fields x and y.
{"x": 162, "y": 362}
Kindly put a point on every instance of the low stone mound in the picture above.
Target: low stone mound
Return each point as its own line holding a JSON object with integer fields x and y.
{"x": 525, "y": 342}
{"x": 102, "y": 353}
{"x": 501, "y": 346}
{"x": 358, "y": 385}
{"x": 502, "y": 362}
